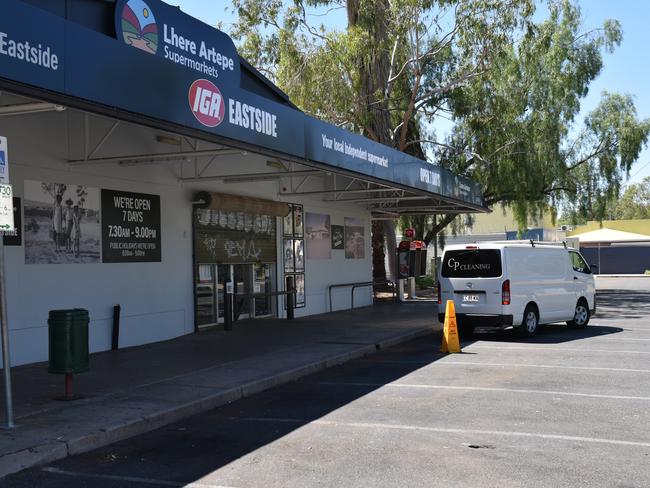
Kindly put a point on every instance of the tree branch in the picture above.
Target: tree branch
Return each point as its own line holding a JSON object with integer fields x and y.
{"x": 444, "y": 222}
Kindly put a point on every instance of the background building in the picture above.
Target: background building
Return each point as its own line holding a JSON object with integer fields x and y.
{"x": 615, "y": 246}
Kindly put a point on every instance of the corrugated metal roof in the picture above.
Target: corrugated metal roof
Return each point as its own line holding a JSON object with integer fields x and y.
{"x": 611, "y": 235}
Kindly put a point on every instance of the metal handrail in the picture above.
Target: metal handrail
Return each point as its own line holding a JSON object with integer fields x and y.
{"x": 359, "y": 284}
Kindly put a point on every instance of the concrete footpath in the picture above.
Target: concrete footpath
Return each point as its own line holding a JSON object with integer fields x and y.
{"x": 132, "y": 391}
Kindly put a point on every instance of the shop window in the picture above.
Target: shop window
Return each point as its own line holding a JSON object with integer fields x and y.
{"x": 293, "y": 253}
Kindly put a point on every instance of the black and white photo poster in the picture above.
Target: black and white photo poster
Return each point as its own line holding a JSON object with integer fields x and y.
{"x": 318, "y": 236}
{"x": 130, "y": 227}
{"x": 61, "y": 223}
{"x": 355, "y": 240}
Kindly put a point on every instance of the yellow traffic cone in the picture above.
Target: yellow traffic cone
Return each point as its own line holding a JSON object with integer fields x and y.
{"x": 450, "y": 342}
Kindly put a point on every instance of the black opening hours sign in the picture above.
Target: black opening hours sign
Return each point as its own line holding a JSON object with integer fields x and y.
{"x": 130, "y": 227}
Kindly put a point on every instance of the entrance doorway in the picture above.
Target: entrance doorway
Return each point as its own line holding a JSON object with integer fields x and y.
{"x": 247, "y": 278}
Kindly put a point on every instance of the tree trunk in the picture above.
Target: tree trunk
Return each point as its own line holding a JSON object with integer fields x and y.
{"x": 391, "y": 245}
{"x": 438, "y": 226}
{"x": 373, "y": 77}
{"x": 378, "y": 254}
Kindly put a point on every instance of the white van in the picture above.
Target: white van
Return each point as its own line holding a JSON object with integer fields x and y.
{"x": 515, "y": 284}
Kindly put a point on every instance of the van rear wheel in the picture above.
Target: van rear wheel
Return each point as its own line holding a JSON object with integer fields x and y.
{"x": 530, "y": 323}
{"x": 581, "y": 316}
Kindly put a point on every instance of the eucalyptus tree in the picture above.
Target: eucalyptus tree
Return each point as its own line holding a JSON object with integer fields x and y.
{"x": 509, "y": 86}
{"x": 634, "y": 203}
{"x": 386, "y": 70}
{"x": 516, "y": 130}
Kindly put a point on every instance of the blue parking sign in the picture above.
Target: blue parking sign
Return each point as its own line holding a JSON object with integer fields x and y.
{"x": 4, "y": 163}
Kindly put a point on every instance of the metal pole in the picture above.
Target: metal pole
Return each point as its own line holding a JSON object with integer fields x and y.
{"x": 68, "y": 387}
{"x": 6, "y": 363}
{"x": 600, "y": 271}
{"x": 227, "y": 310}
{"x": 115, "y": 337}
{"x": 290, "y": 297}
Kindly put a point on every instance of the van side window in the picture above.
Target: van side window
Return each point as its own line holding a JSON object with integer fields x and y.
{"x": 579, "y": 263}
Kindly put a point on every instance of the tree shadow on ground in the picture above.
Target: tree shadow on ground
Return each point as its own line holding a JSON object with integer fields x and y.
{"x": 622, "y": 304}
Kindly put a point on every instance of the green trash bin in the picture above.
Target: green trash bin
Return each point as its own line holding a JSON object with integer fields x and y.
{"x": 68, "y": 333}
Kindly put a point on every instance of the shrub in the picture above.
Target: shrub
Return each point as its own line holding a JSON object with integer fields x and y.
{"x": 423, "y": 282}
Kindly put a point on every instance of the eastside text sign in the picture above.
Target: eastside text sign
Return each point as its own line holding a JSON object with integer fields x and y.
{"x": 31, "y": 45}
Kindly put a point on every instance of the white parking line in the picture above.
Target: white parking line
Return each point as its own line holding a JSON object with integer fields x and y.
{"x": 473, "y": 347}
{"x": 443, "y": 362}
{"x": 130, "y": 479}
{"x": 443, "y": 430}
{"x": 542, "y": 366}
{"x": 480, "y": 388}
{"x": 627, "y": 339}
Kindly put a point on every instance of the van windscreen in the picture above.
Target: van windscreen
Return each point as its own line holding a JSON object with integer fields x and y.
{"x": 472, "y": 263}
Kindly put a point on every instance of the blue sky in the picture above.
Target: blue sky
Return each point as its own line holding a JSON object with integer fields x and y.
{"x": 627, "y": 70}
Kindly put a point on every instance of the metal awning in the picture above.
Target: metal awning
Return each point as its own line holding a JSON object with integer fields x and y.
{"x": 198, "y": 158}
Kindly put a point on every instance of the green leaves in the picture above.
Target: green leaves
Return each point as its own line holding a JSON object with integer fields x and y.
{"x": 511, "y": 86}
{"x": 634, "y": 203}
{"x": 520, "y": 119}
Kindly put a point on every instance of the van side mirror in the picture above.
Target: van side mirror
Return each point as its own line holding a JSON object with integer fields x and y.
{"x": 594, "y": 269}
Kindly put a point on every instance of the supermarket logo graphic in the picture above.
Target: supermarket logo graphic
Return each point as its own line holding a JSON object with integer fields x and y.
{"x": 139, "y": 28}
{"x": 206, "y": 103}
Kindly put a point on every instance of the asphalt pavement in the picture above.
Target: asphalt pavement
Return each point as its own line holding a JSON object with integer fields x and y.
{"x": 567, "y": 408}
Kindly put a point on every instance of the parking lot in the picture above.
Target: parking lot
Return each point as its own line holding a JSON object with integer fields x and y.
{"x": 567, "y": 408}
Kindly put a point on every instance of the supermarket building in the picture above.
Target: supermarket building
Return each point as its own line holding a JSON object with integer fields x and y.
{"x": 151, "y": 165}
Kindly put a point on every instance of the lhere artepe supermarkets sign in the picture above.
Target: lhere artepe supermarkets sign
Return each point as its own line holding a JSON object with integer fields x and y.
{"x": 162, "y": 30}
{"x": 130, "y": 227}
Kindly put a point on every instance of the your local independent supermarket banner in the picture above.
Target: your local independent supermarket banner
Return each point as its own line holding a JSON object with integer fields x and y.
{"x": 327, "y": 143}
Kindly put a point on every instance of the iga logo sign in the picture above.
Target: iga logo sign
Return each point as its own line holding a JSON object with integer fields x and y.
{"x": 139, "y": 28}
{"x": 207, "y": 103}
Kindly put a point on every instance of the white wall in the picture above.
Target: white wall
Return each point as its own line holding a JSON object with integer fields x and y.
{"x": 156, "y": 298}
{"x": 320, "y": 273}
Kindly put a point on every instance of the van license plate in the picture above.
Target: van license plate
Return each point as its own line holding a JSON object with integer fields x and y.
{"x": 470, "y": 298}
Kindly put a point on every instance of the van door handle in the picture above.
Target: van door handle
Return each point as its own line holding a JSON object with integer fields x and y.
{"x": 575, "y": 277}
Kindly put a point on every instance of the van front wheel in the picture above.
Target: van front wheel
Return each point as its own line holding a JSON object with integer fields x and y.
{"x": 530, "y": 323}
{"x": 581, "y": 316}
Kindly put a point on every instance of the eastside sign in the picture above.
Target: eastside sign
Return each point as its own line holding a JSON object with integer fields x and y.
{"x": 162, "y": 30}
{"x": 32, "y": 45}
